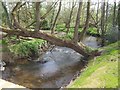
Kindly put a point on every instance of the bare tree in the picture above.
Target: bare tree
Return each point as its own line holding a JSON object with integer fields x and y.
{"x": 114, "y": 14}
{"x": 106, "y": 18}
{"x": 82, "y": 34}
{"x": 103, "y": 23}
{"x": 37, "y": 16}
{"x": 53, "y": 26}
{"x": 24, "y": 32}
{"x": 52, "y": 9}
{"x": 97, "y": 18}
{"x": 118, "y": 16}
{"x": 70, "y": 17}
{"x": 75, "y": 38}
{"x": 54, "y": 40}
{"x": 83, "y": 14}
{"x": 7, "y": 15}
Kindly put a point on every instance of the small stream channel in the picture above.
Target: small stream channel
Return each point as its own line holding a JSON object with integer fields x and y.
{"x": 62, "y": 64}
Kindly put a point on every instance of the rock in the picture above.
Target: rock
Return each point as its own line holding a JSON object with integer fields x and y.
{"x": 2, "y": 68}
{"x": 2, "y": 64}
{"x": 42, "y": 62}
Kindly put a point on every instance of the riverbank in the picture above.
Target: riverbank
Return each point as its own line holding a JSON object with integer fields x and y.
{"x": 60, "y": 65}
{"x": 101, "y": 72}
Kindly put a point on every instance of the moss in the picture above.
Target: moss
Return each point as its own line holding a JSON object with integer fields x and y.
{"x": 102, "y": 71}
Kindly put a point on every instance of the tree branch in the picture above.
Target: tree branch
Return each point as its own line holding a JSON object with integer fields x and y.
{"x": 16, "y": 23}
{"x": 49, "y": 38}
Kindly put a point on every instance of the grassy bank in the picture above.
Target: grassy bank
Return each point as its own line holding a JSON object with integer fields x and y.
{"x": 102, "y": 71}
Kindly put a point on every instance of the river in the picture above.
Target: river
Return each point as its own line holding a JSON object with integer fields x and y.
{"x": 60, "y": 67}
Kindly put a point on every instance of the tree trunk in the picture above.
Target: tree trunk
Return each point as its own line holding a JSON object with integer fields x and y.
{"x": 21, "y": 31}
{"x": 114, "y": 14}
{"x": 16, "y": 23}
{"x": 70, "y": 17}
{"x": 7, "y": 15}
{"x": 18, "y": 16}
{"x": 50, "y": 9}
{"x": 37, "y": 16}
{"x": 49, "y": 38}
{"x": 118, "y": 16}
{"x": 103, "y": 23}
{"x": 82, "y": 34}
{"x": 97, "y": 18}
{"x": 75, "y": 38}
{"x": 106, "y": 22}
{"x": 54, "y": 23}
{"x": 52, "y": 17}
{"x": 83, "y": 14}
{"x": 44, "y": 16}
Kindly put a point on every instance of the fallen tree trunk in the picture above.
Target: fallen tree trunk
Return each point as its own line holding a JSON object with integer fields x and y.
{"x": 49, "y": 38}
{"x": 21, "y": 31}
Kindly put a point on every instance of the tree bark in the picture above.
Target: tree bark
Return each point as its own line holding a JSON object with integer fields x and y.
{"x": 75, "y": 38}
{"x": 49, "y": 38}
{"x": 50, "y": 9}
{"x": 83, "y": 13}
{"x": 70, "y": 17}
{"x": 7, "y": 15}
{"x": 54, "y": 40}
{"x": 106, "y": 18}
{"x": 103, "y": 23}
{"x": 52, "y": 17}
{"x": 118, "y": 16}
{"x": 43, "y": 16}
{"x": 82, "y": 34}
{"x": 53, "y": 26}
{"x": 114, "y": 14}
{"x": 37, "y": 16}
{"x": 16, "y": 23}
{"x": 97, "y": 18}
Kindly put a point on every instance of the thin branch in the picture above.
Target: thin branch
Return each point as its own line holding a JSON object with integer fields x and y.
{"x": 44, "y": 16}
{"x": 52, "y": 6}
{"x": 16, "y": 23}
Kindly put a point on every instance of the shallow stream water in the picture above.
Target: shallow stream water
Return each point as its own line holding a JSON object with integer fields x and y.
{"x": 62, "y": 64}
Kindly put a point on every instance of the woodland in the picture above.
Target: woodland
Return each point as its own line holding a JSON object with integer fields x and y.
{"x": 60, "y": 43}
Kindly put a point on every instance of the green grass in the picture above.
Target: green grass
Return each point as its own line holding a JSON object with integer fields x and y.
{"x": 101, "y": 72}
